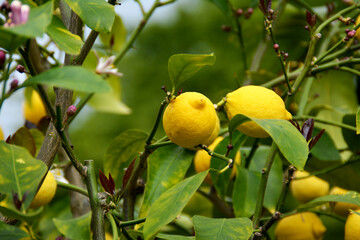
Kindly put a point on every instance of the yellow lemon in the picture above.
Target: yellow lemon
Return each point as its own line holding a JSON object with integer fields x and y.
{"x": 202, "y": 160}
{"x": 300, "y": 226}
{"x": 46, "y": 192}
{"x": 342, "y": 208}
{"x": 190, "y": 119}
{"x": 352, "y": 226}
{"x": 1, "y": 135}
{"x": 309, "y": 188}
{"x": 34, "y": 110}
{"x": 256, "y": 102}
{"x": 357, "y": 34}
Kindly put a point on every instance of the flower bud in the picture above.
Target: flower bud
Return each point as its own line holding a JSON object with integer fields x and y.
{"x": 2, "y": 59}
{"x": 71, "y": 110}
{"x": 276, "y": 47}
{"x": 239, "y": 12}
{"x": 351, "y": 34}
{"x": 226, "y": 28}
{"x": 14, "y": 84}
{"x": 20, "y": 68}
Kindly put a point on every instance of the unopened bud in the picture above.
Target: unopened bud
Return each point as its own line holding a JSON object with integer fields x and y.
{"x": 14, "y": 84}
{"x": 20, "y": 68}
{"x": 2, "y": 59}
{"x": 276, "y": 47}
{"x": 226, "y": 28}
{"x": 249, "y": 12}
{"x": 351, "y": 34}
{"x": 286, "y": 55}
{"x": 307, "y": 28}
{"x": 239, "y": 12}
{"x": 271, "y": 12}
{"x": 71, "y": 110}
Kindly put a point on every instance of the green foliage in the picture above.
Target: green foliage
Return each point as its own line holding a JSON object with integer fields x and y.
{"x": 351, "y": 138}
{"x": 216, "y": 229}
{"x": 75, "y": 228}
{"x": 71, "y": 77}
{"x": 8, "y": 232}
{"x": 349, "y": 197}
{"x": 166, "y": 167}
{"x": 23, "y": 138}
{"x": 325, "y": 149}
{"x": 170, "y": 204}
{"x": 114, "y": 40}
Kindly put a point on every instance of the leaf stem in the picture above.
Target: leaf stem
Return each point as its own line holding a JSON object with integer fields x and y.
{"x": 114, "y": 228}
{"x": 263, "y": 182}
{"x": 336, "y": 45}
{"x": 217, "y": 155}
{"x": 157, "y": 145}
{"x": 72, "y": 188}
{"x": 132, "y": 222}
{"x": 97, "y": 218}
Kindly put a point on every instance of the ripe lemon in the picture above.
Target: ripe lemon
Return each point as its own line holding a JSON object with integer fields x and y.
{"x": 342, "y": 208}
{"x": 300, "y": 226}
{"x": 256, "y": 102}
{"x": 35, "y": 109}
{"x": 357, "y": 34}
{"x": 202, "y": 160}
{"x": 190, "y": 119}
{"x": 1, "y": 135}
{"x": 352, "y": 226}
{"x": 309, "y": 188}
{"x": 46, "y": 192}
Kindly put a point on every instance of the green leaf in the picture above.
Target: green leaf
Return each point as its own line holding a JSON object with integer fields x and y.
{"x": 97, "y": 14}
{"x": 222, "y": 228}
{"x": 245, "y": 193}
{"x": 123, "y": 149}
{"x": 182, "y": 66}
{"x": 290, "y": 141}
{"x": 358, "y": 122}
{"x": 39, "y": 19}
{"x": 64, "y": 39}
{"x": 174, "y": 237}
{"x": 110, "y": 102}
{"x": 116, "y": 39}
{"x": 222, "y": 5}
{"x": 77, "y": 228}
{"x": 325, "y": 148}
{"x": 166, "y": 167}
{"x": 350, "y": 137}
{"x": 170, "y": 204}
{"x": 71, "y": 77}
{"x": 274, "y": 184}
{"x": 23, "y": 138}
{"x": 349, "y": 197}
{"x": 10, "y": 41}
{"x": 221, "y": 181}
{"x": 38, "y": 139}
{"x": 8, "y": 209}
{"x": 9, "y": 232}
{"x": 19, "y": 172}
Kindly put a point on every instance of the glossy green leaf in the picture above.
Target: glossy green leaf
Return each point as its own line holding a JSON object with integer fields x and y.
{"x": 10, "y": 41}
{"x": 170, "y": 204}
{"x": 38, "y": 139}
{"x": 9, "y": 232}
{"x": 166, "y": 167}
{"x": 349, "y": 197}
{"x": 19, "y": 172}
{"x": 39, "y": 19}
{"x": 275, "y": 180}
{"x": 221, "y": 181}
{"x": 123, "y": 149}
{"x": 325, "y": 148}
{"x": 116, "y": 39}
{"x": 174, "y": 237}
{"x": 182, "y": 66}
{"x": 245, "y": 193}
{"x": 222, "y": 228}
{"x": 289, "y": 140}
{"x": 110, "y": 102}
{"x": 63, "y": 38}
{"x": 23, "y": 138}
{"x": 97, "y": 14}
{"x": 71, "y": 77}
{"x": 8, "y": 209}
{"x": 351, "y": 138}
{"x": 76, "y": 228}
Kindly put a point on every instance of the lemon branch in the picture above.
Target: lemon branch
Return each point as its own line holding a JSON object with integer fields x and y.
{"x": 263, "y": 182}
{"x": 229, "y": 161}
{"x": 329, "y": 122}
{"x": 157, "y": 121}
{"x": 267, "y": 225}
{"x": 72, "y": 188}
{"x": 288, "y": 176}
{"x": 113, "y": 225}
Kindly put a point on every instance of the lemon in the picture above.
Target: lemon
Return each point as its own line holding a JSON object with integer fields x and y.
{"x": 300, "y": 226}
{"x": 202, "y": 160}
{"x": 46, "y": 192}
{"x": 1, "y": 135}
{"x": 255, "y": 102}
{"x": 309, "y": 188}
{"x": 352, "y": 226}
{"x": 342, "y": 208}
{"x": 357, "y": 34}
{"x": 190, "y": 119}
{"x": 35, "y": 109}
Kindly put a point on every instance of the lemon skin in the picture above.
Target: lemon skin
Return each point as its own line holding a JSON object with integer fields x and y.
{"x": 256, "y": 102}
{"x": 190, "y": 119}
{"x": 307, "y": 189}
{"x": 352, "y": 226}
{"x": 342, "y": 208}
{"x": 202, "y": 160}
{"x": 34, "y": 110}
{"x": 1, "y": 135}
{"x": 357, "y": 34}
{"x": 300, "y": 226}
{"x": 46, "y": 192}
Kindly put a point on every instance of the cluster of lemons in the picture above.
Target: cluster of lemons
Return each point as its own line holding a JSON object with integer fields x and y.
{"x": 191, "y": 120}
{"x": 308, "y": 225}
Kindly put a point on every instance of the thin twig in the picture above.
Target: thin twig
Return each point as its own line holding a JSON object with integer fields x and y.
{"x": 72, "y": 188}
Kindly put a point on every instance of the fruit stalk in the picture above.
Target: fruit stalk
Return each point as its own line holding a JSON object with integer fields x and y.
{"x": 263, "y": 182}
{"x": 97, "y": 218}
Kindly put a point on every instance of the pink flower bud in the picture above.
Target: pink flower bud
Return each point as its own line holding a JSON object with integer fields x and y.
{"x": 25, "y": 10}
{"x": 351, "y": 34}
{"x": 2, "y": 59}
{"x": 71, "y": 110}
{"x": 16, "y": 12}
{"x": 20, "y": 68}
{"x": 276, "y": 47}
{"x": 14, "y": 84}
